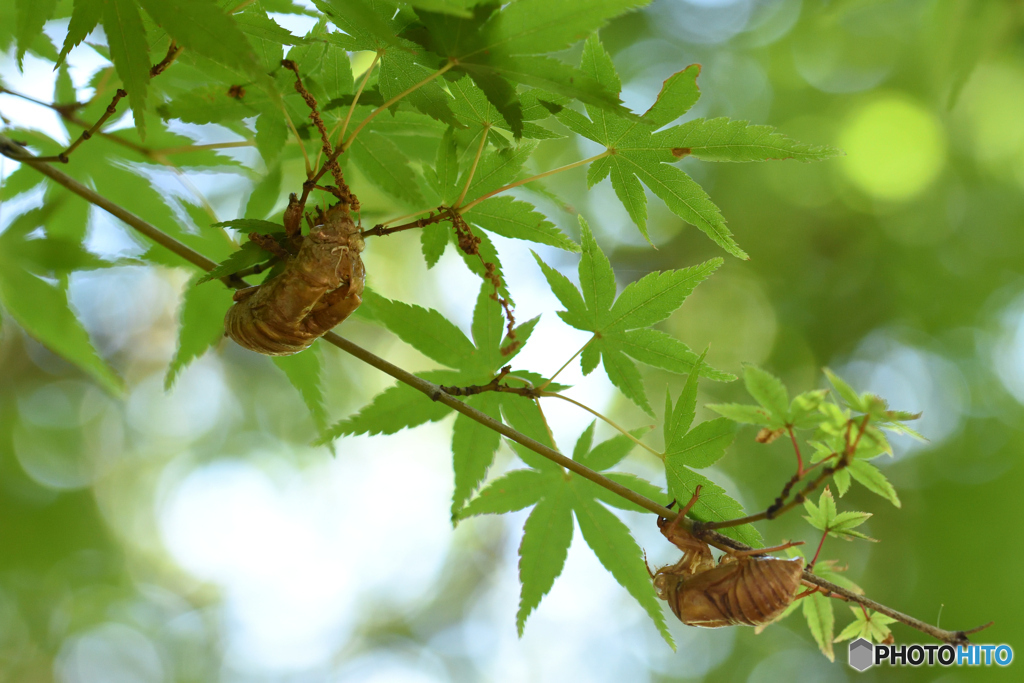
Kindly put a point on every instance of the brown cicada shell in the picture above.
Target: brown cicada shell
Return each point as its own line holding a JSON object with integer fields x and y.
{"x": 739, "y": 589}
{"x": 320, "y": 286}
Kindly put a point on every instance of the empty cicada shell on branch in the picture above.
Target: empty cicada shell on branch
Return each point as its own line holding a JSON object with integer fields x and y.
{"x": 740, "y": 589}
{"x": 319, "y": 287}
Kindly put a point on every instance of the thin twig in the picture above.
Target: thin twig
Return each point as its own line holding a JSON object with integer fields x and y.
{"x": 86, "y": 134}
{"x": 406, "y": 216}
{"x": 173, "y": 50}
{"x": 379, "y": 230}
{"x": 535, "y": 393}
{"x": 493, "y": 385}
{"x": 341, "y": 190}
{"x": 778, "y": 507}
{"x": 14, "y": 151}
{"x": 66, "y": 112}
{"x": 259, "y": 267}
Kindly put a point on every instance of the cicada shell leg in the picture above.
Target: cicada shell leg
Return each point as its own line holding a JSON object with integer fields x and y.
{"x": 764, "y": 551}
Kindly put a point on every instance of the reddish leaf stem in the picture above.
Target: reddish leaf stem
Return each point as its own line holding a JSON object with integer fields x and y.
{"x": 796, "y": 449}
{"x": 821, "y": 543}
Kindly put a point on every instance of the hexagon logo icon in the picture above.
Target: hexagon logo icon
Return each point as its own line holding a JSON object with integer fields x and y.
{"x": 862, "y": 654}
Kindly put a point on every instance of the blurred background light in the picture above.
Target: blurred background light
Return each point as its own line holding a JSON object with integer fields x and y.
{"x": 894, "y": 147}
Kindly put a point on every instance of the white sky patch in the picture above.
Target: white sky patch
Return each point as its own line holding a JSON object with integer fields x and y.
{"x": 109, "y": 653}
{"x": 298, "y": 553}
{"x": 1008, "y": 353}
{"x": 35, "y": 81}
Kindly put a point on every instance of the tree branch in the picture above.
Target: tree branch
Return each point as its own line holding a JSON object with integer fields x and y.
{"x": 435, "y": 392}
{"x": 12, "y": 150}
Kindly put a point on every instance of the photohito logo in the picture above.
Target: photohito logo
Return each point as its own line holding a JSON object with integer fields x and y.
{"x": 863, "y": 655}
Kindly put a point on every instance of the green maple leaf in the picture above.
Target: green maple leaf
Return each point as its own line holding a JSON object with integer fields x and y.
{"x": 478, "y": 114}
{"x": 266, "y": 36}
{"x": 375, "y": 26}
{"x": 304, "y": 370}
{"x": 129, "y": 52}
{"x": 379, "y": 154}
{"x": 557, "y": 497}
{"x": 774, "y": 409}
{"x": 443, "y": 178}
{"x": 866, "y": 624}
{"x": 517, "y": 219}
{"x": 621, "y": 326}
{"x": 821, "y": 621}
{"x": 638, "y": 156}
{"x": 42, "y": 308}
{"x": 504, "y": 216}
{"x": 499, "y": 49}
{"x": 247, "y": 255}
{"x": 472, "y": 363}
{"x": 824, "y": 517}
{"x": 688, "y": 448}
{"x": 202, "y": 324}
{"x": 384, "y": 164}
{"x": 325, "y": 66}
{"x": 84, "y": 17}
{"x": 877, "y": 408}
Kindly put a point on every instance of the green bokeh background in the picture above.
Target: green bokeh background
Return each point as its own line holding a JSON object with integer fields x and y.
{"x": 899, "y": 265}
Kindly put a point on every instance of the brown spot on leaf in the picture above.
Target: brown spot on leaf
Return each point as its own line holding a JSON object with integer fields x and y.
{"x": 680, "y": 152}
{"x": 768, "y": 435}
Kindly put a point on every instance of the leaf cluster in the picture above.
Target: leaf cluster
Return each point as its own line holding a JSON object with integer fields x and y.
{"x": 845, "y": 430}
{"x": 852, "y": 435}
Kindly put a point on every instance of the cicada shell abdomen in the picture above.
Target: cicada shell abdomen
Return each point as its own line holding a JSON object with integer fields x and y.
{"x": 749, "y": 591}
{"x": 319, "y": 287}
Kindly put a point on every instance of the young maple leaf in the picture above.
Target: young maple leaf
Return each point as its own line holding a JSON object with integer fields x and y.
{"x": 474, "y": 362}
{"x": 558, "y": 496}
{"x": 824, "y": 517}
{"x": 774, "y": 410}
{"x": 700, "y": 447}
{"x": 639, "y": 155}
{"x": 810, "y": 410}
{"x": 43, "y": 309}
{"x": 821, "y": 622}
{"x": 621, "y": 326}
{"x": 866, "y": 624}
